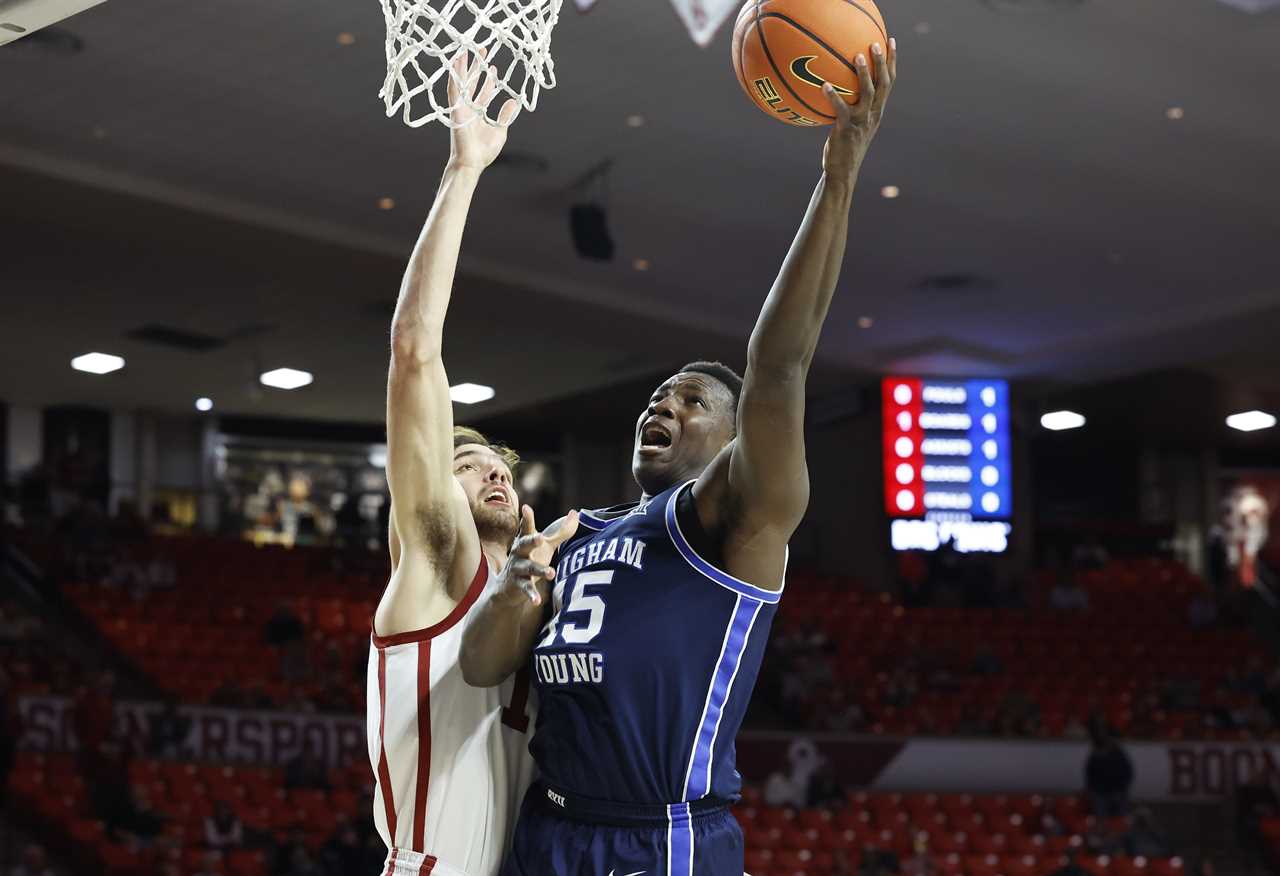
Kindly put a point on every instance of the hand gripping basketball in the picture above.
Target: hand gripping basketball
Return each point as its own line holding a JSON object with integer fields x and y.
{"x": 527, "y": 562}
{"x": 856, "y": 124}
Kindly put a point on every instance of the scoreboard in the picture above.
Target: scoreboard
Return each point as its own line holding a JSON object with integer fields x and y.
{"x": 947, "y": 472}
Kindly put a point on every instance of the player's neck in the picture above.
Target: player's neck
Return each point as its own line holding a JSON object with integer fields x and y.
{"x": 495, "y": 552}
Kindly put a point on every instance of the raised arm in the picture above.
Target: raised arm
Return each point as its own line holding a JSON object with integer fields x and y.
{"x": 757, "y": 491}
{"x": 435, "y": 549}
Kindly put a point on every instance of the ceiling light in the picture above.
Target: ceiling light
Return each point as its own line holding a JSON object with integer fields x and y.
{"x": 635, "y": 121}
{"x": 286, "y": 378}
{"x": 204, "y": 404}
{"x": 1174, "y": 113}
{"x": 865, "y": 322}
{"x": 640, "y": 264}
{"x": 97, "y": 363}
{"x": 346, "y": 39}
{"x": 890, "y": 192}
{"x": 470, "y": 393}
{"x": 386, "y": 203}
{"x": 1251, "y": 421}
{"x": 1059, "y": 420}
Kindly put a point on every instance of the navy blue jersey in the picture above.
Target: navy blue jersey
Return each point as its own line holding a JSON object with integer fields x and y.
{"x": 645, "y": 669}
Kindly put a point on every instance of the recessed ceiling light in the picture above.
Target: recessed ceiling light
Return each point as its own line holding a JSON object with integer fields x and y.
{"x": 286, "y": 378}
{"x": 346, "y": 39}
{"x": 1251, "y": 421}
{"x": 865, "y": 322}
{"x": 204, "y": 404}
{"x": 635, "y": 120}
{"x": 890, "y": 192}
{"x": 99, "y": 132}
{"x": 386, "y": 203}
{"x": 1058, "y": 420}
{"x": 470, "y": 393}
{"x": 1174, "y": 113}
{"x": 640, "y": 264}
{"x": 97, "y": 363}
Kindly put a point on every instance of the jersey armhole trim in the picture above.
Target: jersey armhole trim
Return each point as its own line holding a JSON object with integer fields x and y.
{"x": 450, "y": 620}
{"x": 721, "y": 577}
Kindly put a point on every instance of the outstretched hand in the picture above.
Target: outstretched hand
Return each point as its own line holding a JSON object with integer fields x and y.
{"x": 856, "y": 124}
{"x": 476, "y": 143}
{"x": 527, "y": 563}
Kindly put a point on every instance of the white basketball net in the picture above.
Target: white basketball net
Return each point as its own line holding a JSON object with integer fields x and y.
{"x": 420, "y": 36}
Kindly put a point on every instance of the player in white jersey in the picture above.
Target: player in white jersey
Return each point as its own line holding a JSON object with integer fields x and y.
{"x": 450, "y": 761}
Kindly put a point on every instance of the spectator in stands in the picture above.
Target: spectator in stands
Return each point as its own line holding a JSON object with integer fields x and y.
{"x": 127, "y": 525}
{"x": 1067, "y": 595}
{"x": 791, "y": 788}
{"x": 1108, "y": 773}
{"x": 1145, "y": 839}
{"x": 919, "y": 864}
{"x": 1202, "y": 612}
{"x": 228, "y": 695}
{"x": 284, "y": 627}
{"x": 167, "y": 730}
{"x": 971, "y": 722}
{"x": 293, "y": 858}
{"x": 306, "y": 770}
{"x": 10, "y": 733}
{"x": 878, "y": 862}
{"x": 1071, "y": 868}
{"x": 94, "y": 709}
{"x": 985, "y": 662}
{"x": 1090, "y": 555}
{"x": 211, "y": 864}
{"x": 34, "y": 863}
{"x": 344, "y": 852}
{"x": 222, "y": 829}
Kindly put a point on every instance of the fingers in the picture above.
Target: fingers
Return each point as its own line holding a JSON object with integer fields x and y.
{"x": 522, "y": 569}
{"x": 561, "y": 531}
{"x": 866, "y": 88}
{"x": 527, "y": 526}
{"x": 883, "y": 77}
{"x": 839, "y": 106}
{"x": 507, "y": 114}
{"x": 893, "y": 59}
{"x": 490, "y": 87}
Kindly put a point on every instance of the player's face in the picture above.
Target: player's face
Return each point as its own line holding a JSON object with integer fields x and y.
{"x": 486, "y": 480}
{"x": 688, "y": 420}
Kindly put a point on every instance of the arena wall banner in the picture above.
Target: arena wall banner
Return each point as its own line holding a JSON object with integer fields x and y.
{"x": 218, "y": 735}
{"x": 1173, "y": 771}
{"x": 1186, "y": 771}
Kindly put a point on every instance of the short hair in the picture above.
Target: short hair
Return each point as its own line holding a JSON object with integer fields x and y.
{"x": 722, "y": 373}
{"x": 466, "y": 435}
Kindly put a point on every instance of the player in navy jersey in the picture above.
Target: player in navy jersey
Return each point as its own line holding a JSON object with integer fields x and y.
{"x": 646, "y": 631}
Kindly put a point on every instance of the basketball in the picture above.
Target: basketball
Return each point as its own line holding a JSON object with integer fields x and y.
{"x": 784, "y": 50}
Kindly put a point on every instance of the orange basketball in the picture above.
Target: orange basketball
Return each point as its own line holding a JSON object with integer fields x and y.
{"x": 784, "y": 50}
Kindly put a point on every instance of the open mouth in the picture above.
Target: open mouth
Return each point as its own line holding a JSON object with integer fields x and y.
{"x": 497, "y": 497}
{"x": 654, "y": 436}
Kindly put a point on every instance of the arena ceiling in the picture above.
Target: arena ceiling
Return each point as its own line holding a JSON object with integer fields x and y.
{"x": 217, "y": 168}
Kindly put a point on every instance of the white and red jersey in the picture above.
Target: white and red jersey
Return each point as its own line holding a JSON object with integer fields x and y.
{"x": 451, "y": 761}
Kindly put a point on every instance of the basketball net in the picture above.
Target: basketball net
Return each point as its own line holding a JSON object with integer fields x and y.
{"x": 423, "y": 40}
{"x": 702, "y": 17}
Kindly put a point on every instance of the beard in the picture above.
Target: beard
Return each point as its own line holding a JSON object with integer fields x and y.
{"x": 496, "y": 524}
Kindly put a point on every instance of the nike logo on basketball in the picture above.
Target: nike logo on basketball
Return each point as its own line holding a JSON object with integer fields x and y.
{"x": 800, "y": 69}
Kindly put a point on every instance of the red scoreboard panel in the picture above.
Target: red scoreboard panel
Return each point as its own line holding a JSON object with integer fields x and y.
{"x": 947, "y": 472}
